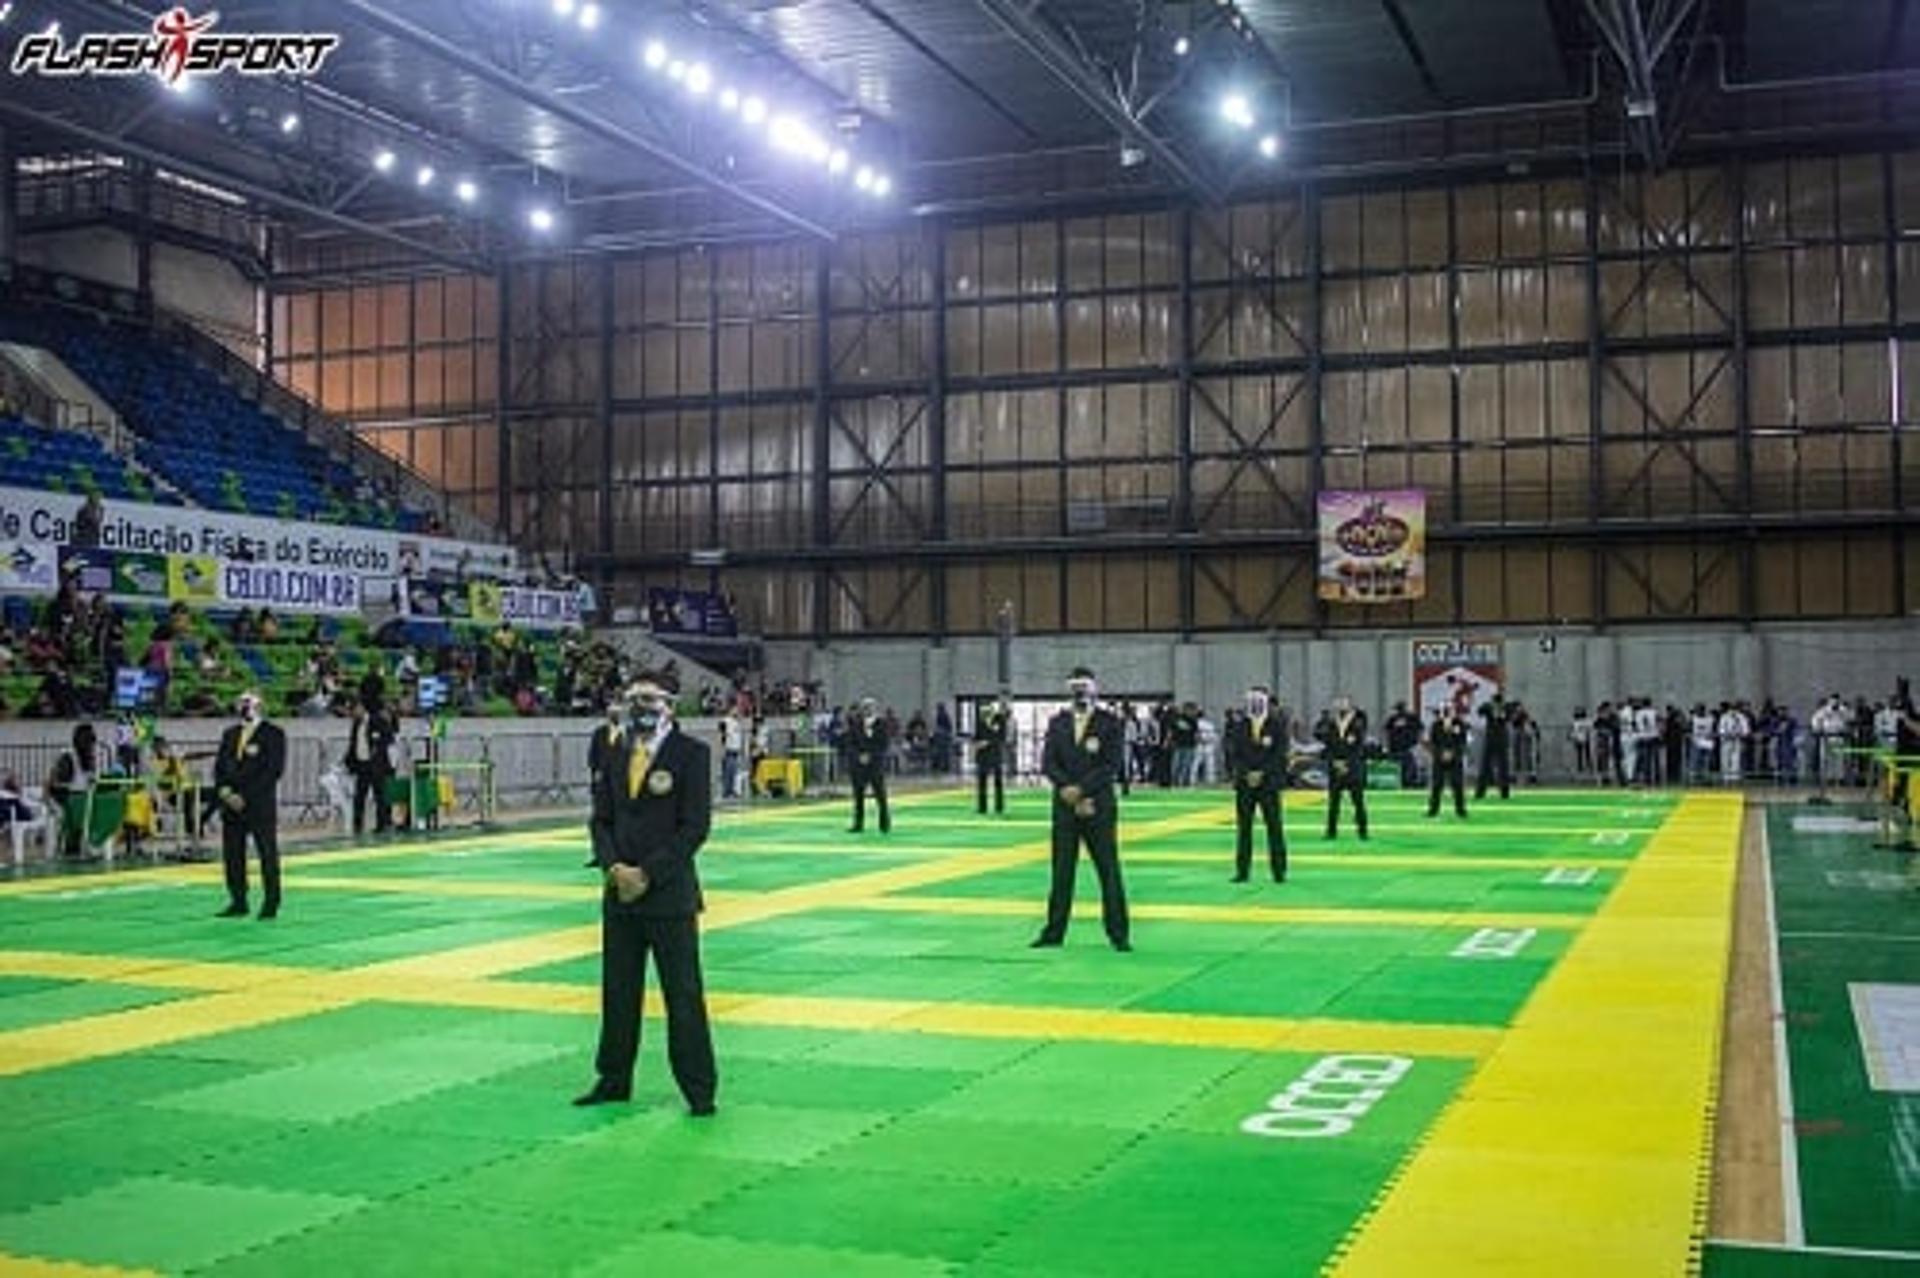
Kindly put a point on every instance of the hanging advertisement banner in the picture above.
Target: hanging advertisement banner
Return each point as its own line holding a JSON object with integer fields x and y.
{"x": 1373, "y": 546}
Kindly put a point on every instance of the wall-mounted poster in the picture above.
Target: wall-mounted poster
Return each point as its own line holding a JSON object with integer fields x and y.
{"x": 1465, "y": 672}
{"x": 1373, "y": 546}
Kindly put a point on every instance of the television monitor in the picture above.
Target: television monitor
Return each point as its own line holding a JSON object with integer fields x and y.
{"x": 432, "y": 691}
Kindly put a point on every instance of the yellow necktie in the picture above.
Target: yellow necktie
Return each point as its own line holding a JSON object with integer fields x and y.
{"x": 246, "y": 735}
{"x": 1080, "y": 722}
{"x": 1257, "y": 724}
{"x": 636, "y": 770}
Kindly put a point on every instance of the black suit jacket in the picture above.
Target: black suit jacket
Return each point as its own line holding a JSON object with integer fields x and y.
{"x": 990, "y": 737}
{"x": 1092, "y": 763}
{"x": 1448, "y": 742}
{"x": 869, "y": 741}
{"x": 1266, "y": 754}
{"x": 661, "y": 828}
{"x": 600, "y": 756}
{"x": 255, "y": 774}
{"x": 1346, "y": 752}
{"x": 381, "y": 732}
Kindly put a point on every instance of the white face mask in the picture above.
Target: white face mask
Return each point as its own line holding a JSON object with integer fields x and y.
{"x": 249, "y": 711}
{"x": 1256, "y": 705}
{"x": 1082, "y": 695}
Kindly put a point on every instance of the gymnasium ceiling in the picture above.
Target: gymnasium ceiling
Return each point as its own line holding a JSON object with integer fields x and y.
{"x": 963, "y": 103}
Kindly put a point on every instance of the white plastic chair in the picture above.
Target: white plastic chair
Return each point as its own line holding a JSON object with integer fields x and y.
{"x": 45, "y": 823}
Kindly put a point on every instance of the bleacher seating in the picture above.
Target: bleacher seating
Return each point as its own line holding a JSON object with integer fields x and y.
{"x": 193, "y": 429}
{"x": 278, "y": 670}
{"x": 66, "y": 461}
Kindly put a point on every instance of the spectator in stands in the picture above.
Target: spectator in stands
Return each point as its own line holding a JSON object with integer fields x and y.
{"x": 8, "y": 650}
{"x": 109, "y": 639}
{"x": 213, "y": 662}
{"x": 63, "y": 606}
{"x": 13, "y": 802}
{"x": 269, "y": 627}
{"x": 72, "y": 777}
{"x": 243, "y": 630}
{"x": 463, "y": 567}
{"x": 87, "y": 522}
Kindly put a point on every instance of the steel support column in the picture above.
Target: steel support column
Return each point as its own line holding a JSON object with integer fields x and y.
{"x": 1596, "y": 370}
{"x": 1456, "y": 507}
{"x": 603, "y": 412}
{"x": 1316, "y": 362}
{"x": 1890, "y": 214}
{"x": 937, "y": 429}
{"x": 713, "y": 412}
{"x": 1183, "y": 521}
{"x": 822, "y": 439}
{"x": 503, "y": 391}
{"x": 1749, "y": 562}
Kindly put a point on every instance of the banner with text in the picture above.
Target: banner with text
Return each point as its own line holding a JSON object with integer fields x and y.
{"x": 490, "y": 603}
{"x": 689, "y": 612}
{"x": 1373, "y": 546}
{"x": 32, "y": 516}
{"x": 289, "y": 589}
{"x": 1465, "y": 672}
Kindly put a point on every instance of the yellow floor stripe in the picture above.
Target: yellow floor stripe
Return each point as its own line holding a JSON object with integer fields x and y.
{"x": 1580, "y": 1146}
{"x": 1388, "y": 860}
{"x": 1266, "y": 914}
{"x": 33, "y": 1267}
{"x": 85, "y": 1038}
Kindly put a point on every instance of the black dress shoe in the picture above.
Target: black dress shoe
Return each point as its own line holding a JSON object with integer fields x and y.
{"x": 232, "y": 912}
{"x": 1123, "y": 947}
{"x": 1044, "y": 942}
{"x": 590, "y": 863}
{"x": 603, "y": 1093}
{"x": 1238, "y": 878}
{"x": 1279, "y": 878}
{"x": 269, "y": 911}
{"x": 704, "y": 1110}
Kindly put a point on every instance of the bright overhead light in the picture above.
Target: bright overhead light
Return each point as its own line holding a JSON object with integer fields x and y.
{"x": 1270, "y": 145}
{"x": 676, "y": 70}
{"x": 752, "y": 109}
{"x": 787, "y": 133}
{"x": 699, "y": 79}
{"x": 589, "y": 17}
{"x": 385, "y": 161}
{"x": 181, "y": 84}
{"x": 882, "y": 184}
{"x": 562, "y": 8}
{"x": 837, "y": 161}
{"x": 1236, "y": 110}
{"x": 6, "y": 10}
{"x": 1181, "y": 47}
{"x": 424, "y": 177}
{"x": 540, "y": 218}
{"x": 863, "y": 178}
{"x": 815, "y": 147}
{"x": 654, "y": 55}
{"x": 467, "y": 191}
{"x": 289, "y": 123}
{"x": 729, "y": 99}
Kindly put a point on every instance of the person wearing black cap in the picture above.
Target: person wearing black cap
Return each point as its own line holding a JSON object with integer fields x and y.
{"x": 1343, "y": 735}
{"x": 1447, "y": 747}
{"x": 1081, "y": 759}
{"x": 867, "y": 759}
{"x": 1257, "y": 761}
{"x": 990, "y": 755}
{"x": 662, "y": 793}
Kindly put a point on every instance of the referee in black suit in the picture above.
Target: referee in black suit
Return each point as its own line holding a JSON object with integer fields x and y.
{"x": 990, "y": 756}
{"x": 662, "y": 794}
{"x": 1084, "y": 753}
{"x": 246, "y": 780}
{"x": 1257, "y": 746}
